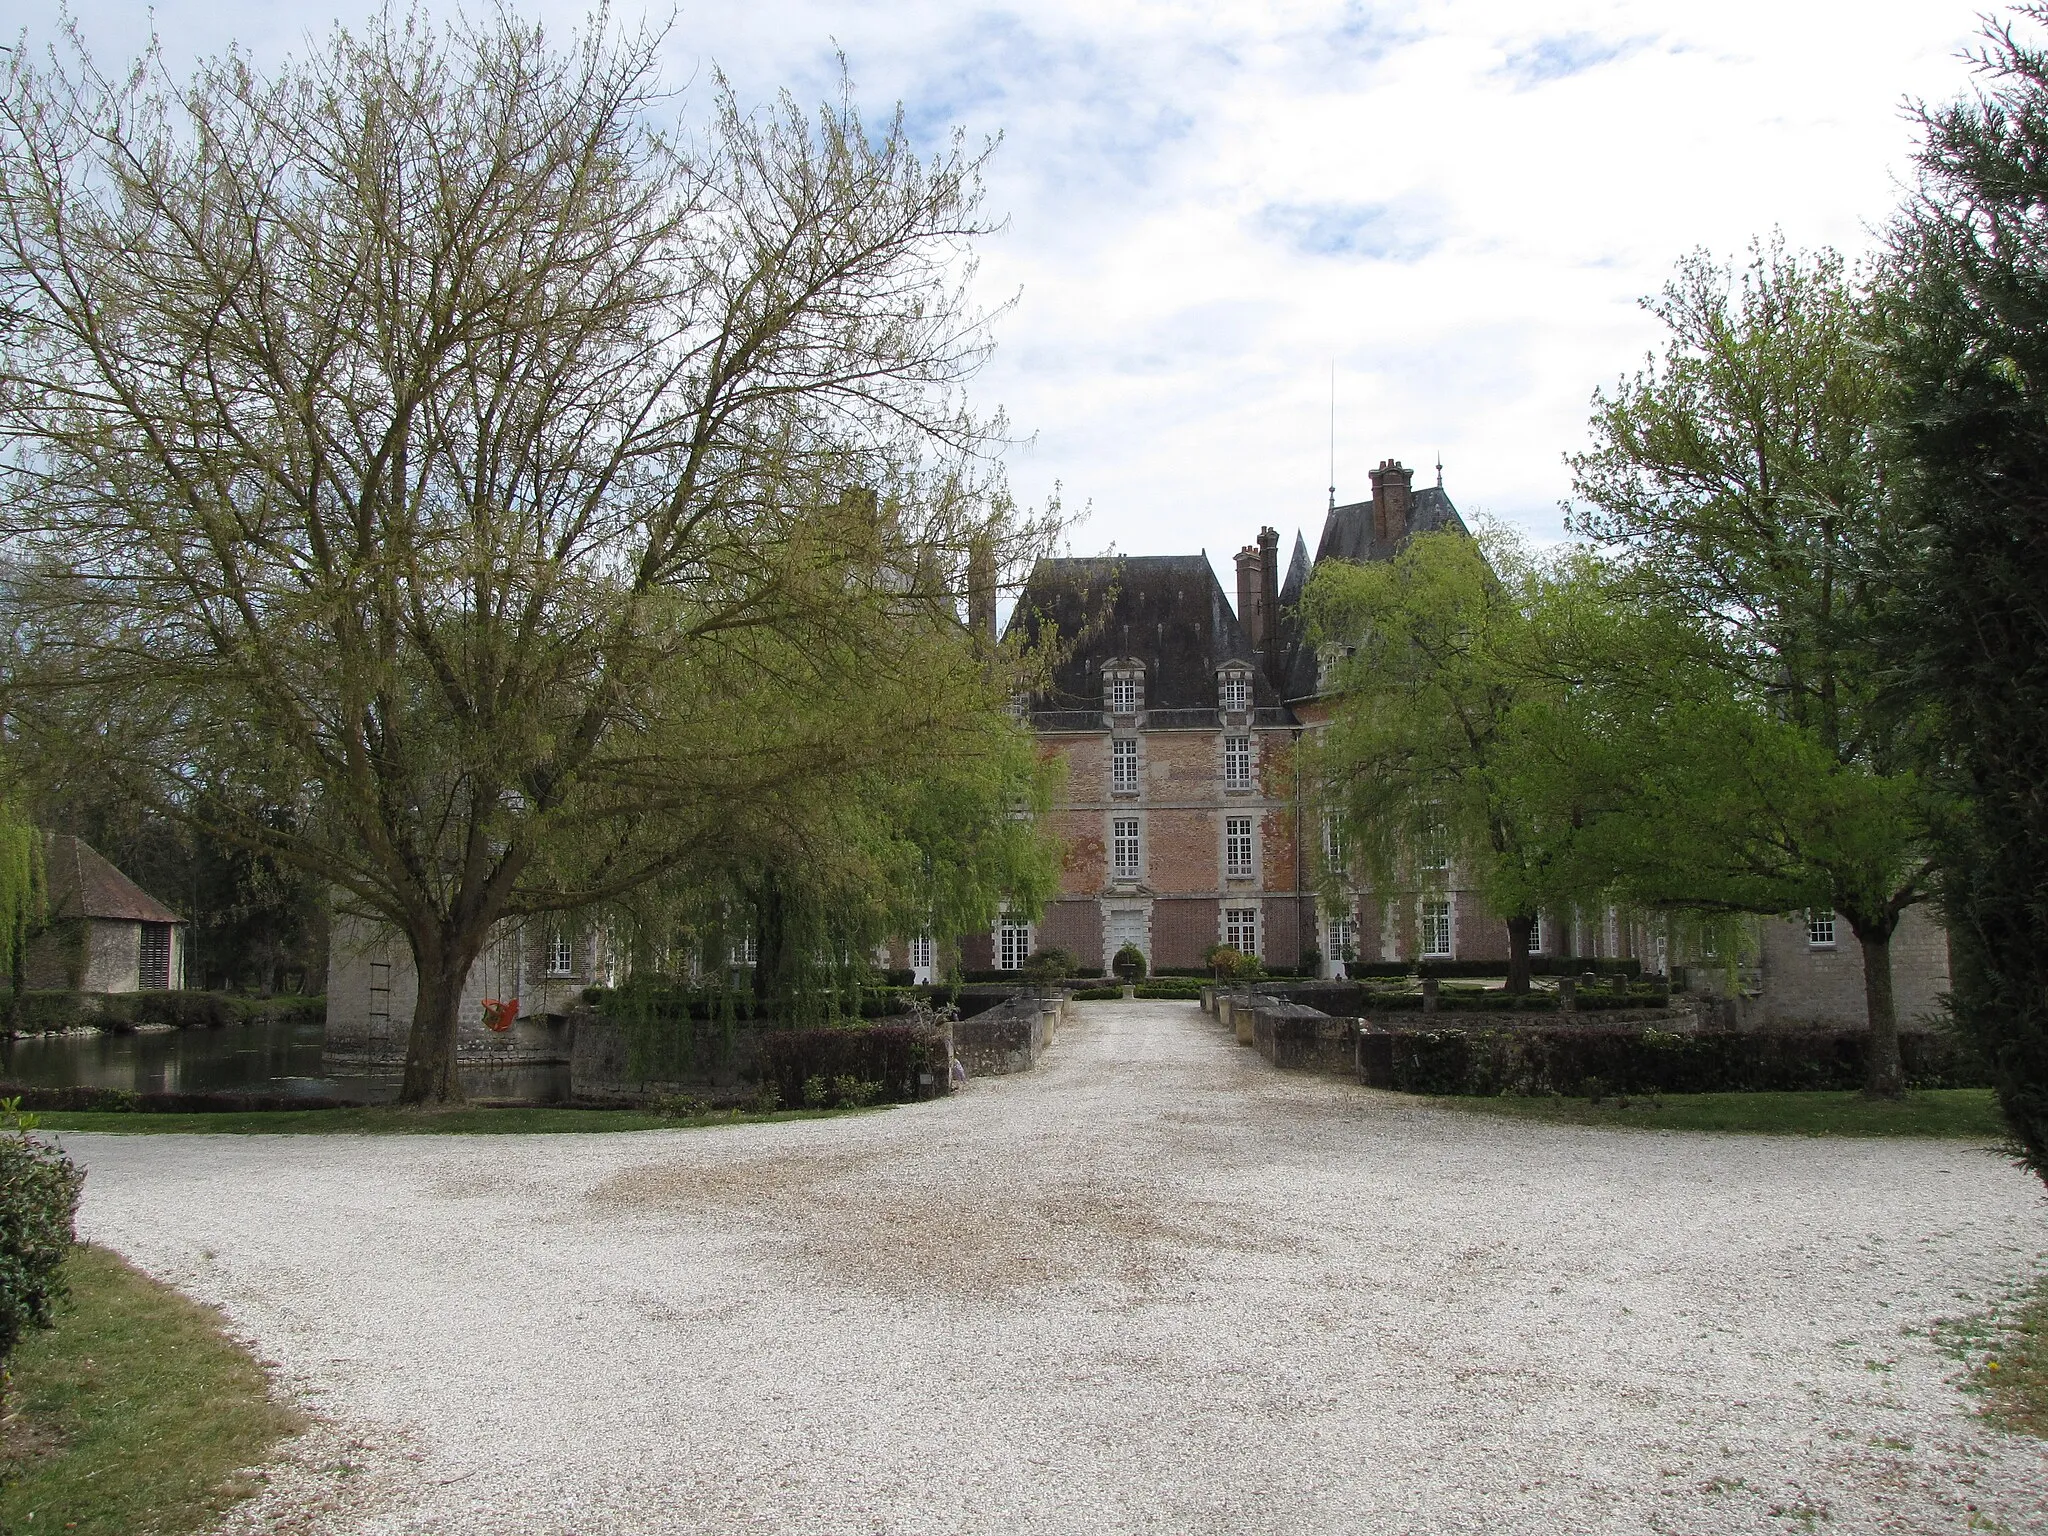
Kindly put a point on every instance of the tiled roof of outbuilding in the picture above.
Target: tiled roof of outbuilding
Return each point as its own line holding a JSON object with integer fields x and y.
{"x": 1166, "y": 611}
{"x": 82, "y": 883}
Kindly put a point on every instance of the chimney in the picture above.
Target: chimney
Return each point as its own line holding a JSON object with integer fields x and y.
{"x": 1391, "y": 492}
{"x": 1248, "y": 587}
{"x": 981, "y": 591}
{"x": 1269, "y": 599}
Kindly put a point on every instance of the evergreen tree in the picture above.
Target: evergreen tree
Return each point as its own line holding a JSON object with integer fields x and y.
{"x": 1967, "y": 336}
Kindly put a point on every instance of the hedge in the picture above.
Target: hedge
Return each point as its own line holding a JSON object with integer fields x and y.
{"x": 123, "y": 1100}
{"x": 1539, "y": 965}
{"x": 1591, "y": 1061}
{"x": 40, "y": 1012}
{"x": 38, "y": 1199}
{"x": 894, "y": 1056}
{"x": 1360, "y": 1001}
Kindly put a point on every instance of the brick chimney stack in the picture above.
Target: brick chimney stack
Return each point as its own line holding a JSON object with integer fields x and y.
{"x": 1392, "y": 493}
{"x": 1269, "y": 598}
{"x": 1250, "y": 581}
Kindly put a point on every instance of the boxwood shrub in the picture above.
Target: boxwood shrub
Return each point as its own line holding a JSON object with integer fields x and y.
{"x": 38, "y": 1200}
{"x": 1578, "y": 1061}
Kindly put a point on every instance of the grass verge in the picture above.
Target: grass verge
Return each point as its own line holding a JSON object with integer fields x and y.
{"x": 1961, "y": 1113}
{"x": 389, "y": 1120}
{"x": 135, "y": 1413}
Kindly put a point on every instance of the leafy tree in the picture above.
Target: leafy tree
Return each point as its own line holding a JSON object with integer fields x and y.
{"x": 1419, "y": 764}
{"x": 425, "y": 441}
{"x": 1738, "y": 479}
{"x": 1966, "y": 339}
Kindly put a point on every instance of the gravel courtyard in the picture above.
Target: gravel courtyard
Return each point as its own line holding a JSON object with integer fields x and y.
{"x": 1150, "y": 1286}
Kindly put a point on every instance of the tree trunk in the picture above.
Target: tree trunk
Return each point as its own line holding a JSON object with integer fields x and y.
{"x": 773, "y": 962}
{"x": 1885, "y": 1077}
{"x": 430, "y": 1075}
{"x": 1519, "y": 929}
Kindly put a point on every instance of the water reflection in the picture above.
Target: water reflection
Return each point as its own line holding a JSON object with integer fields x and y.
{"x": 264, "y": 1057}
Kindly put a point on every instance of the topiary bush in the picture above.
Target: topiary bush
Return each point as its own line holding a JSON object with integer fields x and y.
{"x": 38, "y": 1201}
{"x": 1047, "y": 966}
{"x": 1129, "y": 964}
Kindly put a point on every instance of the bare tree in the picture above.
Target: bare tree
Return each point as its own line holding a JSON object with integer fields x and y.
{"x": 499, "y": 481}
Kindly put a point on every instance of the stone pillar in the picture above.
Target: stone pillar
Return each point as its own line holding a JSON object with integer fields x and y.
{"x": 1567, "y": 994}
{"x": 1429, "y": 985}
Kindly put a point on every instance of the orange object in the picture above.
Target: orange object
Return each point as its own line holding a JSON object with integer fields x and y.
{"x": 499, "y": 1016}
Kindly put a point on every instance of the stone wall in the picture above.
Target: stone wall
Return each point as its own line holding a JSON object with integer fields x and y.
{"x": 1010, "y": 1037}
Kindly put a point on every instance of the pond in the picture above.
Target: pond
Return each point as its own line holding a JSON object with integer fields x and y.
{"x": 266, "y": 1057}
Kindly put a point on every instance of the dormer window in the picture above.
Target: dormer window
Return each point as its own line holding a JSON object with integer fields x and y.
{"x": 1236, "y": 690}
{"x": 1120, "y": 690}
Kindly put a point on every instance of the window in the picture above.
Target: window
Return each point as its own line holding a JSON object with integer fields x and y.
{"x": 1536, "y": 934}
{"x": 1123, "y": 765}
{"x": 1237, "y": 847}
{"x": 561, "y": 962}
{"x": 1820, "y": 930}
{"x": 921, "y": 952}
{"x": 1241, "y": 929}
{"x": 1237, "y": 691}
{"x": 1237, "y": 762}
{"x": 1436, "y": 928}
{"x": 1334, "y": 855}
{"x": 154, "y": 957}
{"x": 1013, "y": 944}
{"x": 1436, "y": 849}
{"x": 1123, "y": 694}
{"x": 743, "y": 951}
{"x": 1343, "y": 936}
{"x": 1125, "y": 841}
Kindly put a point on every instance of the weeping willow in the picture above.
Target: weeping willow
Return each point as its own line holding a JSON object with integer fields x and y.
{"x": 21, "y": 886}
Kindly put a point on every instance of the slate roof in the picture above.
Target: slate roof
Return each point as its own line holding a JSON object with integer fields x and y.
{"x": 1166, "y": 611}
{"x": 82, "y": 883}
{"x": 1348, "y": 531}
{"x": 1348, "y": 534}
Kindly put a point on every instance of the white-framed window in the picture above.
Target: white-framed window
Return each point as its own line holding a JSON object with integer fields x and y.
{"x": 743, "y": 950}
{"x": 1237, "y": 762}
{"x": 921, "y": 952}
{"x": 1235, "y": 691}
{"x": 1013, "y": 944}
{"x": 1237, "y": 847}
{"x": 561, "y": 957}
{"x": 1333, "y": 842}
{"x": 1436, "y": 929}
{"x": 1122, "y": 691}
{"x": 1342, "y": 934}
{"x": 1435, "y": 855}
{"x": 1123, "y": 765}
{"x": 1536, "y": 934}
{"x": 1124, "y": 846}
{"x": 1820, "y": 930}
{"x": 1241, "y": 929}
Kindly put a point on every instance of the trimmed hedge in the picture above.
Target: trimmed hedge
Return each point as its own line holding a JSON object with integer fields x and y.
{"x": 1178, "y": 989}
{"x": 122, "y": 1100}
{"x": 893, "y": 1056}
{"x": 1599, "y": 1060}
{"x": 40, "y": 1012}
{"x": 1539, "y": 965}
{"x": 1353, "y": 1000}
{"x": 38, "y": 1199}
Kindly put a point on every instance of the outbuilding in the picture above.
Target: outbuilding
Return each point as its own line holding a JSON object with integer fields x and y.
{"x": 103, "y": 932}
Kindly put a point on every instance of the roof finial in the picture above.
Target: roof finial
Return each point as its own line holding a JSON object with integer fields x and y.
{"x": 1333, "y": 434}
{"x": 1439, "y": 469}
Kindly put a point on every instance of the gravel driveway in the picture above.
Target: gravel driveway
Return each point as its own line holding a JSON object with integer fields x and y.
{"x": 1150, "y": 1286}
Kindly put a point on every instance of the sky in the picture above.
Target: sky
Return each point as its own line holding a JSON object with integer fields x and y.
{"x": 1455, "y": 205}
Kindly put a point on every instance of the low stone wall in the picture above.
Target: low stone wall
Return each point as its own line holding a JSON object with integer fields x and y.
{"x": 1010, "y": 1036}
{"x": 1300, "y": 1039}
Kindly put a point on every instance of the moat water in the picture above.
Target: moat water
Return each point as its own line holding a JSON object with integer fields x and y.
{"x": 267, "y": 1057}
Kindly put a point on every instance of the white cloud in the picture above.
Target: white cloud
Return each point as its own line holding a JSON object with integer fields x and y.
{"x": 1458, "y": 202}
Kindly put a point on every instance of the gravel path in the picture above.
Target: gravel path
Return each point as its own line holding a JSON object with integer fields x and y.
{"x": 1150, "y": 1286}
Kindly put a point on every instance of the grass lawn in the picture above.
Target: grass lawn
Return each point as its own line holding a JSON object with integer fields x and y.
{"x": 389, "y": 1120}
{"x": 2014, "y": 1379}
{"x": 1965, "y": 1113}
{"x": 135, "y": 1413}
